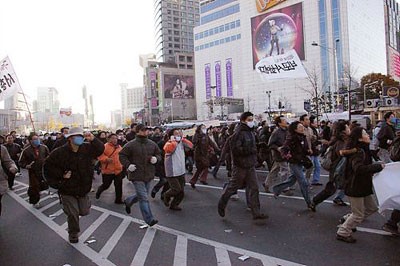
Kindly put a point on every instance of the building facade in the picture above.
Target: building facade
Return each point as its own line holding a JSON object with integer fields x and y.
{"x": 47, "y": 100}
{"x": 116, "y": 119}
{"x": 132, "y": 100}
{"x": 328, "y": 35}
{"x": 175, "y": 20}
{"x": 392, "y": 23}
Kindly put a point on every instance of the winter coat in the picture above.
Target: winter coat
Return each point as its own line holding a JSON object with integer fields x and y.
{"x": 295, "y": 148}
{"x": 36, "y": 155}
{"x": 110, "y": 152}
{"x": 63, "y": 159}
{"x": 243, "y": 147}
{"x": 202, "y": 144}
{"x": 386, "y": 133}
{"x": 175, "y": 157}
{"x": 7, "y": 163}
{"x": 139, "y": 152}
{"x": 359, "y": 173}
{"x": 276, "y": 141}
{"x": 315, "y": 142}
{"x": 14, "y": 151}
{"x": 59, "y": 143}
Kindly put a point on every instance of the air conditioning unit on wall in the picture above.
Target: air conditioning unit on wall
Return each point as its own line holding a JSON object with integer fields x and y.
{"x": 390, "y": 102}
{"x": 372, "y": 103}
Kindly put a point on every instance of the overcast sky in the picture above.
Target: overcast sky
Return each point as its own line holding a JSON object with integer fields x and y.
{"x": 68, "y": 44}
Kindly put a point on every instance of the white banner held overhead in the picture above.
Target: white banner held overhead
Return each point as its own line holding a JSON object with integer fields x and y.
{"x": 9, "y": 84}
{"x": 387, "y": 187}
{"x": 284, "y": 66}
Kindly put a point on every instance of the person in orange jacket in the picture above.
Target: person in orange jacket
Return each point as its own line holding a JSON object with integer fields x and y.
{"x": 111, "y": 168}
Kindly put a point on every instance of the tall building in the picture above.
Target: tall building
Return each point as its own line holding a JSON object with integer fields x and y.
{"x": 329, "y": 36}
{"x": 131, "y": 100}
{"x": 175, "y": 20}
{"x": 116, "y": 119}
{"x": 392, "y": 23}
{"x": 47, "y": 100}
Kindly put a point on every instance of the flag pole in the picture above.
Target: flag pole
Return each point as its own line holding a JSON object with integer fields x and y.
{"x": 29, "y": 111}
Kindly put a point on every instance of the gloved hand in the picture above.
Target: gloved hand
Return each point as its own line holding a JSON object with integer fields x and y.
{"x": 132, "y": 168}
{"x": 153, "y": 160}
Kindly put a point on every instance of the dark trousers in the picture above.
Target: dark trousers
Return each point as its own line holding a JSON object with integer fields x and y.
{"x": 0, "y": 203}
{"x": 73, "y": 207}
{"x": 11, "y": 176}
{"x": 328, "y": 191}
{"x": 394, "y": 219}
{"x": 176, "y": 190}
{"x": 243, "y": 177}
{"x": 34, "y": 189}
{"x": 108, "y": 179}
{"x": 201, "y": 172}
{"x": 160, "y": 184}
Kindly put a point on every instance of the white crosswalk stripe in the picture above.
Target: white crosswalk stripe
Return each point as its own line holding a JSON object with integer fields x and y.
{"x": 222, "y": 257}
{"x": 143, "y": 250}
{"x": 180, "y": 251}
{"x": 88, "y": 232}
{"x": 112, "y": 242}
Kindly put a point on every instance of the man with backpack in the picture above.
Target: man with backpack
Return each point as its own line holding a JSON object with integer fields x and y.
{"x": 386, "y": 136}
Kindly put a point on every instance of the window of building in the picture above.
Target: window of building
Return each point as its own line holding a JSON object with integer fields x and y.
{"x": 237, "y": 23}
{"x": 183, "y": 21}
{"x": 207, "y": 45}
{"x": 233, "y": 25}
{"x": 211, "y": 44}
{"x": 181, "y": 58}
{"x": 177, "y": 39}
{"x": 233, "y": 38}
{"x": 206, "y": 34}
{"x": 227, "y": 39}
{"x": 177, "y": 46}
{"x": 197, "y": 48}
{"x": 201, "y": 35}
{"x": 216, "y": 42}
{"x": 176, "y": 13}
{"x": 201, "y": 47}
{"x": 226, "y": 26}
{"x": 220, "y": 14}
{"x": 176, "y": 32}
{"x": 221, "y": 28}
{"x": 211, "y": 32}
{"x": 190, "y": 66}
{"x": 239, "y": 36}
{"x": 189, "y": 59}
{"x": 176, "y": 19}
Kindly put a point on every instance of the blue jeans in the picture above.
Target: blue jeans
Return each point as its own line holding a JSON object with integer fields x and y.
{"x": 340, "y": 194}
{"x": 317, "y": 169}
{"x": 141, "y": 195}
{"x": 297, "y": 175}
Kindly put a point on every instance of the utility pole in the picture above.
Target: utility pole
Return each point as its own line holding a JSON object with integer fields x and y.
{"x": 269, "y": 103}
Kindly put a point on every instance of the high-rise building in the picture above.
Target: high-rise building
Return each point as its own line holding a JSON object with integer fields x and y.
{"x": 131, "y": 100}
{"x": 392, "y": 23}
{"x": 116, "y": 119}
{"x": 175, "y": 20}
{"x": 47, "y": 100}
{"x": 329, "y": 36}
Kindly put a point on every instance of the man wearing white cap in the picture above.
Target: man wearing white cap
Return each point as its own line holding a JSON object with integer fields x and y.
{"x": 70, "y": 170}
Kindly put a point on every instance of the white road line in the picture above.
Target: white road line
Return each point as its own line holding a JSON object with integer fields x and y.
{"x": 56, "y": 214}
{"x": 373, "y": 231}
{"x": 89, "y": 231}
{"x": 64, "y": 225}
{"x": 81, "y": 247}
{"x": 45, "y": 198}
{"x": 203, "y": 240}
{"x": 143, "y": 250}
{"x": 48, "y": 206}
{"x": 113, "y": 240}
{"x": 25, "y": 197}
{"x": 18, "y": 191}
{"x": 222, "y": 257}
{"x": 180, "y": 258}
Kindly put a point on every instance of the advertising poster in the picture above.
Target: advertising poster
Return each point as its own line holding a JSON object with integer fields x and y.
{"x": 276, "y": 32}
{"x": 218, "y": 78}
{"x": 207, "y": 72}
{"x": 178, "y": 87}
{"x": 229, "y": 84}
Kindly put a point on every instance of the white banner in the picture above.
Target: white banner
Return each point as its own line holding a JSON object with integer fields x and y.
{"x": 284, "y": 66}
{"x": 9, "y": 85}
{"x": 387, "y": 187}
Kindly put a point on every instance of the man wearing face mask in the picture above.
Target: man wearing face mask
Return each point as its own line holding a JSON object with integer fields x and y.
{"x": 51, "y": 140}
{"x": 175, "y": 168}
{"x": 62, "y": 140}
{"x": 70, "y": 170}
{"x": 32, "y": 158}
{"x": 386, "y": 136}
{"x": 244, "y": 157}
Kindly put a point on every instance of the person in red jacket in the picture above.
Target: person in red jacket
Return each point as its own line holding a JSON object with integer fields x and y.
{"x": 111, "y": 168}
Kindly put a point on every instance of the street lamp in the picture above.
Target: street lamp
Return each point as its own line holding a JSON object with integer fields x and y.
{"x": 333, "y": 52}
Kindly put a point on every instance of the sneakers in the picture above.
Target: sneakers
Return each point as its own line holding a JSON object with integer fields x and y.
{"x": 152, "y": 223}
{"x": 235, "y": 197}
{"x": 390, "y": 229}
{"x": 73, "y": 238}
{"x": 127, "y": 208}
{"x": 339, "y": 202}
{"x": 347, "y": 239}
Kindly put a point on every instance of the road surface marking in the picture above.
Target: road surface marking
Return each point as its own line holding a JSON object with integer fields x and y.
{"x": 113, "y": 240}
{"x": 47, "y": 197}
{"x": 143, "y": 250}
{"x": 222, "y": 257}
{"x": 56, "y": 214}
{"x": 18, "y": 191}
{"x": 64, "y": 225}
{"x": 89, "y": 231}
{"x": 48, "y": 206}
{"x": 180, "y": 258}
{"x": 373, "y": 231}
{"x": 81, "y": 247}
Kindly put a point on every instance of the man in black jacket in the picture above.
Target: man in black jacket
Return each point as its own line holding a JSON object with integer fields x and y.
{"x": 244, "y": 156}
{"x": 280, "y": 166}
{"x": 70, "y": 170}
{"x": 14, "y": 150}
{"x": 131, "y": 135}
{"x": 139, "y": 157}
{"x": 61, "y": 141}
{"x": 386, "y": 136}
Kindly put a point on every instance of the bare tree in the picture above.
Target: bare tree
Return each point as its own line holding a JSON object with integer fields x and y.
{"x": 349, "y": 76}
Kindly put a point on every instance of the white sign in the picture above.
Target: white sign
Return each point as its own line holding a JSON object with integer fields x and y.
{"x": 387, "y": 187}
{"x": 9, "y": 85}
{"x": 284, "y": 66}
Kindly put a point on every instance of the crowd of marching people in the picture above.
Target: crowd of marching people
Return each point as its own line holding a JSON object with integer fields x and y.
{"x": 293, "y": 153}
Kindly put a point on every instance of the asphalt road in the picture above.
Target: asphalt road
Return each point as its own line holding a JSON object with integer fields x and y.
{"x": 195, "y": 236}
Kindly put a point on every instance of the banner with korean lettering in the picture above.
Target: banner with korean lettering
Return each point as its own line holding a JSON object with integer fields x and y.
{"x": 229, "y": 84}
{"x": 285, "y": 66}
{"x": 218, "y": 92}
{"x": 9, "y": 84}
{"x": 207, "y": 71}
